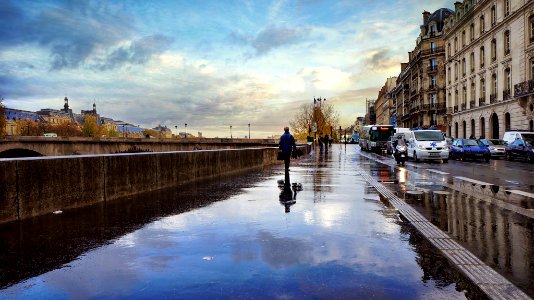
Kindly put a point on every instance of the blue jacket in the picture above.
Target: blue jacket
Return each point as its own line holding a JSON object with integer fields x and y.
{"x": 287, "y": 142}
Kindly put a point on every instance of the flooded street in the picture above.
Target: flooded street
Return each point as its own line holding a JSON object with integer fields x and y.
{"x": 323, "y": 234}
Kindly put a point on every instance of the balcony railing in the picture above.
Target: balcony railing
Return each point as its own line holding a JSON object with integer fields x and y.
{"x": 432, "y": 87}
{"x": 506, "y": 95}
{"x": 433, "y": 51}
{"x": 472, "y": 104}
{"x": 493, "y": 98}
{"x": 432, "y": 68}
{"x": 481, "y": 101}
{"x": 524, "y": 88}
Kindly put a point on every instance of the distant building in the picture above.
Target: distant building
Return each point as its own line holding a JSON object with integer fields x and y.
{"x": 384, "y": 102}
{"x": 13, "y": 115}
{"x": 163, "y": 131}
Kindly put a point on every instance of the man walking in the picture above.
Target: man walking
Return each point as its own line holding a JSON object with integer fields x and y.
{"x": 286, "y": 144}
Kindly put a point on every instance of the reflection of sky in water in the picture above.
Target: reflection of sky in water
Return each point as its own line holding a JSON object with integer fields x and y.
{"x": 247, "y": 247}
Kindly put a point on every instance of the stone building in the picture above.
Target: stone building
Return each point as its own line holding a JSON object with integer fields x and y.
{"x": 384, "y": 102}
{"x": 490, "y": 69}
{"x": 419, "y": 94}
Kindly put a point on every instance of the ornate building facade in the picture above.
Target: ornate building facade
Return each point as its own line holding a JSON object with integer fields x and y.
{"x": 490, "y": 67}
{"x": 384, "y": 103}
{"x": 419, "y": 94}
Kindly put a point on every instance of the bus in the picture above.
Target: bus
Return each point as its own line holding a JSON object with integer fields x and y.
{"x": 374, "y": 137}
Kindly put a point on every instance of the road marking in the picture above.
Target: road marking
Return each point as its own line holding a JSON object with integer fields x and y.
{"x": 472, "y": 180}
{"x": 518, "y": 192}
{"x": 436, "y": 171}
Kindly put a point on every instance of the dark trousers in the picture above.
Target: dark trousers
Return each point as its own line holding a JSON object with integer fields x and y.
{"x": 287, "y": 157}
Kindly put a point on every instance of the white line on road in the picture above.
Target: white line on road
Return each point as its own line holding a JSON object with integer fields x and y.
{"x": 436, "y": 171}
{"x": 472, "y": 180}
{"x": 518, "y": 192}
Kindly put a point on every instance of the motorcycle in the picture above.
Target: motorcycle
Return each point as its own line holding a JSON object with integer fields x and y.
{"x": 401, "y": 153}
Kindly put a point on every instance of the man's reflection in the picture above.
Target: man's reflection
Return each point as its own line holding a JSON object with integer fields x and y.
{"x": 288, "y": 192}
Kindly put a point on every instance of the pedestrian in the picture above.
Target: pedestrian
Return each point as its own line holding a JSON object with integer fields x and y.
{"x": 326, "y": 141}
{"x": 286, "y": 144}
{"x": 320, "y": 140}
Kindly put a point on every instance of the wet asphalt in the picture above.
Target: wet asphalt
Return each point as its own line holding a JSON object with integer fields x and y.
{"x": 316, "y": 232}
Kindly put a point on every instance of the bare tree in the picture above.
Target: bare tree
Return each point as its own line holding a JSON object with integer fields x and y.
{"x": 324, "y": 116}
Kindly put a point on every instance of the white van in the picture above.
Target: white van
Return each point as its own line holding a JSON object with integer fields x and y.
{"x": 427, "y": 144}
{"x": 510, "y": 136}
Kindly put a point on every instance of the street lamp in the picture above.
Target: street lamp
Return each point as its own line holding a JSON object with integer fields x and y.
{"x": 176, "y": 127}
{"x": 231, "y": 132}
{"x": 249, "y": 131}
{"x": 185, "y": 130}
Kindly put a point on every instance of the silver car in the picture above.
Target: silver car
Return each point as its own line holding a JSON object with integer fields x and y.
{"x": 497, "y": 148}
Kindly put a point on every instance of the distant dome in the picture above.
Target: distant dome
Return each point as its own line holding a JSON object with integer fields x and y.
{"x": 439, "y": 16}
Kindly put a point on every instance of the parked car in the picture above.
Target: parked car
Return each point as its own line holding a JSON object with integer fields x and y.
{"x": 511, "y": 136}
{"x": 521, "y": 149}
{"x": 497, "y": 148}
{"x": 469, "y": 148}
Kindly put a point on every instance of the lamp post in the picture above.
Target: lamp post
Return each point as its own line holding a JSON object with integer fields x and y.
{"x": 185, "y": 130}
{"x": 249, "y": 131}
{"x": 231, "y": 132}
{"x": 176, "y": 127}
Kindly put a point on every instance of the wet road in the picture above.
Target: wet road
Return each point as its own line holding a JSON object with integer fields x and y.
{"x": 325, "y": 235}
{"x": 465, "y": 200}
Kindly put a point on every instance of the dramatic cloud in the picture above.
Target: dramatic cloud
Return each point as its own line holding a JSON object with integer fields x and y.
{"x": 210, "y": 64}
{"x": 138, "y": 52}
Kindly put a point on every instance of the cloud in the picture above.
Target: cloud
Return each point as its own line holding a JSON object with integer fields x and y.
{"x": 270, "y": 38}
{"x": 72, "y": 30}
{"x": 138, "y": 52}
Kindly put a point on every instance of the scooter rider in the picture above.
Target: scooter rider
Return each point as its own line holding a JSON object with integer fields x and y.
{"x": 399, "y": 140}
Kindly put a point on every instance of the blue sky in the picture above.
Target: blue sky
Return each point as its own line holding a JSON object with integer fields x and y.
{"x": 209, "y": 64}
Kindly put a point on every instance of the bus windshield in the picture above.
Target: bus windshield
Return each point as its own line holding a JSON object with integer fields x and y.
{"x": 380, "y": 135}
{"x": 429, "y": 136}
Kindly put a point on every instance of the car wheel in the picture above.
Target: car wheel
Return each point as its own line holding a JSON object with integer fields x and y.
{"x": 415, "y": 157}
{"x": 487, "y": 158}
{"x": 530, "y": 158}
{"x": 508, "y": 156}
{"x": 445, "y": 161}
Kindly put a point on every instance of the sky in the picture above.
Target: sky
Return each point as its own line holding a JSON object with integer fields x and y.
{"x": 210, "y": 64}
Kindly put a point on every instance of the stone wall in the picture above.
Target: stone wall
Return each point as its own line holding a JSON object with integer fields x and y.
{"x": 35, "y": 186}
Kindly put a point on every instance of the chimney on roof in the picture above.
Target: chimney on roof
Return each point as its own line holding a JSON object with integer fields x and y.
{"x": 426, "y": 16}
{"x": 66, "y": 106}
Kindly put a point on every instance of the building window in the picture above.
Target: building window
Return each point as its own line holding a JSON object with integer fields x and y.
{"x": 456, "y": 71}
{"x": 432, "y": 30}
{"x": 472, "y": 32}
{"x": 432, "y": 47}
{"x": 507, "y": 83}
{"x": 482, "y": 25}
{"x": 506, "y": 8}
{"x": 433, "y": 81}
{"x": 433, "y": 64}
{"x": 455, "y": 44}
{"x": 482, "y": 90}
{"x": 464, "y": 68}
{"x": 472, "y": 128}
{"x": 507, "y": 42}
{"x": 449, "y": 50}
{"x": 532, "y": 69}
{"x": 531, "y": 28}
{"x": 472, "y": 61}
{"x": 494, "y": 85}
{"x": 473, "y": 91}
{"x": 531, "y": 126}
{"x": 482, "y": 57}
{"x": 449, "y": 73}
{"x": 433, "y": 99}
{"x": 463, "y": 38}
{"x": 507, "y": 122}
{"x": 464, "y": 97}
{"x": 493, "y": 16}
{"x": 493, "y": 50}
